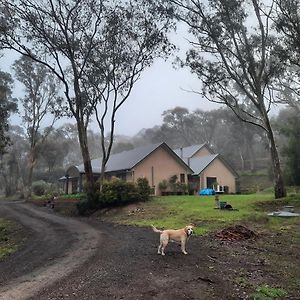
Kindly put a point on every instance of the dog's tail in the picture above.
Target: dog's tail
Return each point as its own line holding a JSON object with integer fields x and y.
{"x": 155, "y": 229}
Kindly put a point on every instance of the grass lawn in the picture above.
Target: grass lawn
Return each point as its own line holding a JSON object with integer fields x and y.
{"x": 178, "y": 211}
{"x": 8, "y": 243}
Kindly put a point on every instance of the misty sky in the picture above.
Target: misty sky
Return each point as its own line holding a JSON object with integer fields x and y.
{"x": 161, "y": 87}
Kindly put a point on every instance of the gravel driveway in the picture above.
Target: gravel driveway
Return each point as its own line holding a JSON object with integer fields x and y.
{"x": 54, "y": 247}
{"x": 73, "y": 258}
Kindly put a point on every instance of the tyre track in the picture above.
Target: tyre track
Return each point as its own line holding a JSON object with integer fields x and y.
{"x": 55, "y": 247}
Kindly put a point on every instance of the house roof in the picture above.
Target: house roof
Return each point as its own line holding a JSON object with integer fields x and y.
{"x": 189, "y": 151}
{"x": 198, "y": 164}
{"x": 126, "y": 160}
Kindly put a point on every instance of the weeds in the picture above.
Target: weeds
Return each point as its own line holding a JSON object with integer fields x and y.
{"x": 268, "y": 293}
{"x": 7, "y": 243}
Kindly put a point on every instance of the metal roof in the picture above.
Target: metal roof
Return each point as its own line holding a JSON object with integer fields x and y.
{"x": 126, "y": 160}
{"x": 198, "y": 164}
{"x": 185, "y": 152}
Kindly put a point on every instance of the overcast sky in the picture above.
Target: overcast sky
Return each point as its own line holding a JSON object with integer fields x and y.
{"x": 161, "y": 87}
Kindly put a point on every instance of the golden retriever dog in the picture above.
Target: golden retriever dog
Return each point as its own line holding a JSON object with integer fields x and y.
{"x": 179, "y": 235}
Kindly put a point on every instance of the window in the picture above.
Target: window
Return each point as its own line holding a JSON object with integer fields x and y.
{"x": 210, "y": 182}
{"x": 182, "y": 178}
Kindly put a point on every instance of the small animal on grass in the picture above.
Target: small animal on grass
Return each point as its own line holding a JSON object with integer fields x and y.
{"x": 177, "y": 235}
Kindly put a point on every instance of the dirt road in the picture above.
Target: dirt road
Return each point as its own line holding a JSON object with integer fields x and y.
{"x": 54, "y": 247}
{"x": 67, "y": 258}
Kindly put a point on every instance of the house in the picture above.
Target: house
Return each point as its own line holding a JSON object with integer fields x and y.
{"x": 154, "y": 162}
{"x": 197, "y": 165}
{"x": 210, "y": 170}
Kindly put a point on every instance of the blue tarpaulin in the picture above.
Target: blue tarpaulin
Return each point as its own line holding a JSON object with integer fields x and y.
{"x": 207, "y": 192}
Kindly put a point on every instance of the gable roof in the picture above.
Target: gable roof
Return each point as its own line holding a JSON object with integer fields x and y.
{"x": 189, "y": 151}
{"x": 199, "y": 163}
{"x": 127, "y": 160}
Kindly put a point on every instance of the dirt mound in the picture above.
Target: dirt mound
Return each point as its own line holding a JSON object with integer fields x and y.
{"x": 235, "y": 233}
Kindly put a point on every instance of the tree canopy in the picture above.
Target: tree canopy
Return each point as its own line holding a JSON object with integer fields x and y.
{"x": 8, "y": 105}
{"x": 97, "y": 49}
{"x": 235, "y": 55}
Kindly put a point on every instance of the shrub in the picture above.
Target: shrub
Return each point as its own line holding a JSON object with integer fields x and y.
{"x": 39, "y": 187}
{"x": 118, "y": 192}
{"x": 163, "y": 185}
{"x": 172, "y": 183}
{"x": 83, "y": 206}
{"x": 181, "y": 187}
{"x": 115, "y": 193}
{"x": 143, "y": 188}
{"x": 88, "y": 203}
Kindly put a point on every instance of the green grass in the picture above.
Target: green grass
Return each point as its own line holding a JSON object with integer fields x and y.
{"x": 178, "y": 211}
{"x": 268, "y": 293}
{"x": 7, "y": 243}
{"x": 61, "y": 197}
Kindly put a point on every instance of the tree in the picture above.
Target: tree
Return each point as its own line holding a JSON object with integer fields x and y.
{"x": 205, "y": 125}
{"x": 122, "y": 146}
{"x": 40, "y": 101}
{"x": 7, "y": 106}
{"x": 134, "y": 35}
{"x": 54, "y": 150}
{"x": 13, "y": 162}
{"x": 287, "y": 20}
{"x": 97, "y": 49}
{"x": 241, "y": 143}
{"x": 238, "y": 64}
{"x": 289, "y": 128}
{"x": 178, "y": 121}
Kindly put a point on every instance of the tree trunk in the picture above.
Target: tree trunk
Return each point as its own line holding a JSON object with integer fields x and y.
{"x": 242, "y": 159}
{"x": 90, "y": 182}
{"x": 279, "y": 187}
{"x": 29, "y": 182}
{"x": 30, "y": 172}
{"x": 251, "y": 156}
{"x": 102, "y": 176}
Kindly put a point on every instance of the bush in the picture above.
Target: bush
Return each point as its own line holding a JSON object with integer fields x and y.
{"x": 88, "y": 203}
{"x": 83, "y": 206}
{"x": 181, "y": 188}
{"x": 39, "y": 187}
{"x": 143, "y": 188}
{"x": 115, "y": 193}
{"x": 163, "y": 185}
{"x": 118, "y": 192}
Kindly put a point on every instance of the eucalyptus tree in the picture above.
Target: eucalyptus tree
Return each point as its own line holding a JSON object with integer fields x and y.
{"x": 235, "y": 55}
{"x": 13, "y": 162}
{"x": 288, "y": 126}
{"x": 96, "y": 48}
{"x": 287, "y": 22}
{"x": 177, "y": 125}
{"x": 8, "y": 105}
{"x": 40, "y": 106}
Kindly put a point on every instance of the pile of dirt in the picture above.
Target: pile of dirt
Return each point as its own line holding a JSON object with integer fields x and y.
{"x": 235, "y": 233}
